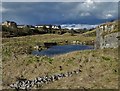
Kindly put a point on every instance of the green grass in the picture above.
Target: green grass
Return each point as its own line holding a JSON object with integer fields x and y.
{"x": 21, "y": 45}
{"x": 105, "y": 58}
{"x": 90, "y": 33}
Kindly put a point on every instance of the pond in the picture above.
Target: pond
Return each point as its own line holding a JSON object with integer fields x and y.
{"x": 61, "y": 49}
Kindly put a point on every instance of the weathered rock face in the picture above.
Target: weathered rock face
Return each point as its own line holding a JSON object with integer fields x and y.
{"x": 109, "y": 41}
{"x": 106, "y": 37}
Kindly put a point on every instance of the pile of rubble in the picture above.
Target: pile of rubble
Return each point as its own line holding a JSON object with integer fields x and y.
{"x": 39, "y": 81}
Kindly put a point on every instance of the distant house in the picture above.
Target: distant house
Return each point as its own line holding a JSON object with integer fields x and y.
{"x": 39, "y": 26}
{"x": 55, "y": 27}
{"x": 47, "y": 26}
{"x": 9, "y": 24}
{"x": 20, "y": 26}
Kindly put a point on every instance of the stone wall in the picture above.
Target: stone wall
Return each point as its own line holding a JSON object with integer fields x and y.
{"x": 108, "y": 41}
{"x": 38, "y": 82}
{"x": 105, "y": 37}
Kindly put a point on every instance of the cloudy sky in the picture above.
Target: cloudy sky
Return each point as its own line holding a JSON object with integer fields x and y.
{"x": 88, "y": 12}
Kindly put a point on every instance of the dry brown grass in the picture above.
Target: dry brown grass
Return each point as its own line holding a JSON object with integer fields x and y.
{"x": 99, "y": 69}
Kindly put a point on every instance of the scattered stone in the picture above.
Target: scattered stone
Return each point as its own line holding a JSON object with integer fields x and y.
{"x": 39, "y": 81}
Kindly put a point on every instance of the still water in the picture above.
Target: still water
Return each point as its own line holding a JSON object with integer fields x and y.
{"x": 61, "y": 49}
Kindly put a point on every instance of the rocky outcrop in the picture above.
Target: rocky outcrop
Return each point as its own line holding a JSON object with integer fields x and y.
{"x": 108, "y": 41}
{"x": 107, "y": 36}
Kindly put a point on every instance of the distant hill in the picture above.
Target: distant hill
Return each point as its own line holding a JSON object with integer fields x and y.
{"x": 77, "y": 26}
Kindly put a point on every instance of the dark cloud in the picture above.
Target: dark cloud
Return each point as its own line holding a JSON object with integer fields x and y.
{"x": 57, "y": 13}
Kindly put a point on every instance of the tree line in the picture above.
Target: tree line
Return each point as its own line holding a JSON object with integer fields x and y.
{"x": 16, "y": 32}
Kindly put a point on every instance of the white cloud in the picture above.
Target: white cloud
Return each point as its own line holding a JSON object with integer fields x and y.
{"x": 107, "y": 16}
{"x": 78, "y": 26}
{"x": 0, "y": 11}
{"x": 86, "y": 6}
{"x": 4, "y": 10}
{"x": 109, "y": 12}
{"x": 89, "y": 1}
{"x": 85, "y": 14}
{"x": 100, "y": 10}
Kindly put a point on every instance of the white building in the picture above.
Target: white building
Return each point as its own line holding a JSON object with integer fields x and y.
{"x": 9, "y": 24}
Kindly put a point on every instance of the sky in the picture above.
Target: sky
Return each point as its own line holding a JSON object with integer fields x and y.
{"x": 34, "y": 13}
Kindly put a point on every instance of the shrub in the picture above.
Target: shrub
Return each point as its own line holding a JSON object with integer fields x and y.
{"x": 105, "y": 58}
{"x": 32, "y": 59}
{"x": 50, "y": 60}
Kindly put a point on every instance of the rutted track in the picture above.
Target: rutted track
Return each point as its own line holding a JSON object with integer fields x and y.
{"x": 40, "y": 81}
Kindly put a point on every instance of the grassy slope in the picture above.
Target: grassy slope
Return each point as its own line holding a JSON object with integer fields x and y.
{"x": 46, "y": 38}
{"x": 99, "y": 67}
{"x": 20, "y": 45}
{"x": 90, "y": 33}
